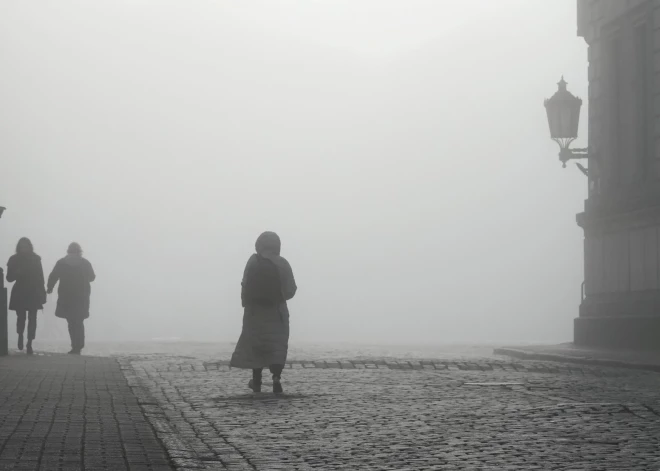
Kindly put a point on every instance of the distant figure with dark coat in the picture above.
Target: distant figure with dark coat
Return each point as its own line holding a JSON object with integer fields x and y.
{"x": 29, "y": 293}
{"x": 267, "y": 285}
{"x": 75, "y": 274}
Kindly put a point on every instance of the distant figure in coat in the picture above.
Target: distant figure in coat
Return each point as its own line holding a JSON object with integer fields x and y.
{"x": 75, "y": 274}
{"x": 29, "y": 292}
{"x": 267, "y": 285}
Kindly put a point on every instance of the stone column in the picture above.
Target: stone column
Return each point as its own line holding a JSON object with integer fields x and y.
{"x": 4, "y": 339}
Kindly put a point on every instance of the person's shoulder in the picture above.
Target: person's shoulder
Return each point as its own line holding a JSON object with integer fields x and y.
{"x": 283, "y": 263}
{"x": 37, "y": 257}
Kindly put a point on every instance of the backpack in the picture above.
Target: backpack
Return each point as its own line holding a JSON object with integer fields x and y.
{"x": 262, "y": 284}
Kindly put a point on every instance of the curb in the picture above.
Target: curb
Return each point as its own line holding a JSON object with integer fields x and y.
{"x": 556, "y": 357}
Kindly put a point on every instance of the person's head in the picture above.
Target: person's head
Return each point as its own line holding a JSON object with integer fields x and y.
{"x": 24, "y": 246}
{"x": 268, "y": 243}
{"x": 74, "y": 249}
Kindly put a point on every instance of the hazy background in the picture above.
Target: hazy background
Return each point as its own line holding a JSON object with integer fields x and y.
{"x": 399, "y": 148}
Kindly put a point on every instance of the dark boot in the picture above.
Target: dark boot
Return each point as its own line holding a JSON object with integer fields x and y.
{"x": 255, "y": 382}
{"x": 277, "y": 385}
{"x": 276, "y": 371}
{"x": 29, "y": 348}
{"x": 20, "y": 341}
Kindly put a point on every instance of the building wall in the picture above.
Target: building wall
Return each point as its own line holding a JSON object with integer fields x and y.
{"x": 623, "y": 261}
{"x": 618, "y": 89}
{"x": 622, "y": 228}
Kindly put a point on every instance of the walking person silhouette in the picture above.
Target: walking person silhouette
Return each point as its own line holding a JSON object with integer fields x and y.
{"x": 28, "y": 295}
{"x": 74, "y": 274}
{"x": 267, "y": 285}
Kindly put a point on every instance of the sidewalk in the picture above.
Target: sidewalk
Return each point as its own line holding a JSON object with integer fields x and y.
{"x": 59, "y": 412}
{"x": 62, "y": 412}
{"x": 570, "y": 353}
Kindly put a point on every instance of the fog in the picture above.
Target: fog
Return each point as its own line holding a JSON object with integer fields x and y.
{"x": 399, "y": 148}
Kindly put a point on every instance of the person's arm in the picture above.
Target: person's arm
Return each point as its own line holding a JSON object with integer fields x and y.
{"x": 54, "y": 277}
{"x": 251, "y": 261}
{"x": 91, "y": 276}
{"x": 11, "y": 270}
{"x": 40, "y": 274}
{"x": 289, "y": 287}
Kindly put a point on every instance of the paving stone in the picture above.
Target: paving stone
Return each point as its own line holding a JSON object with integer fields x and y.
{"x": 400, "y": 414}
{"x": 63, "y": 412}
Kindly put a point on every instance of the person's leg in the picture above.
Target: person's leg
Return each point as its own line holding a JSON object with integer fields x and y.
{"x": 255, "y": 382}
{"x": 276, "y": 371}
{"x": 32, "y": 325}
{"x": 32, "y": 329}
{"x": 81, "y": 334}
{"x": 20, "y": 327}
{"x": 72, "y": 335}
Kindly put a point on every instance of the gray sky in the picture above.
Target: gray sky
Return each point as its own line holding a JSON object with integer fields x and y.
{"x": 399, "y": 148}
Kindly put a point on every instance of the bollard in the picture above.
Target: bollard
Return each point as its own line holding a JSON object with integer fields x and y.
{"x": 4, "y": 339}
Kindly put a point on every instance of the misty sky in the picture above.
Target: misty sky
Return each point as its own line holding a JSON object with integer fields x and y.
{"x": 399, "y": 148}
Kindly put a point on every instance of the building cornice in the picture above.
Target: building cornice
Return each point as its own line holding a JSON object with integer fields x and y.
{"x": 615, "y": 221}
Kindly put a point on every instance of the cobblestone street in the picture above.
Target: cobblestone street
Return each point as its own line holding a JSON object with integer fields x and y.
{"x": 479, "y": 414}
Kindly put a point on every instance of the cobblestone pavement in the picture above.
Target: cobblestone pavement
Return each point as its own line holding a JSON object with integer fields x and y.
{"x": 61, "y": 412}
{"x": 569, "y": 353}
{"x": 450, "y": 415}
{"x": 297, "y": 351}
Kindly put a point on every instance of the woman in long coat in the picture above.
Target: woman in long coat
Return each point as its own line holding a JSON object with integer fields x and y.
{"x": 264, "y": 341}
{"x": 28, "y": 294}
{"x": 74, "y": 274}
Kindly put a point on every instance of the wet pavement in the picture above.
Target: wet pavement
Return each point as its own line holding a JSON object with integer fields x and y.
{"x": 449, "y": 414}
{"x": 356, "y": 409}
{"x": 66, "y": 413}
{"x": 570, "y": 353}
{"x": 297, "y": 351}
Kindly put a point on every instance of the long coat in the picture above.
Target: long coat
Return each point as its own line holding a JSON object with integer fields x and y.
{"x": 264, "y": 340}
{"x": 75, "y": 274}
{"x": 28, "y": 292}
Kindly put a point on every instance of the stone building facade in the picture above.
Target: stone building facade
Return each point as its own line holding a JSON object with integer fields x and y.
{"x": 621, "y": 218}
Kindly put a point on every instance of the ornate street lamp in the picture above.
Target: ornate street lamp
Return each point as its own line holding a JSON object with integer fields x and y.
{"x": 563, "y": 110}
